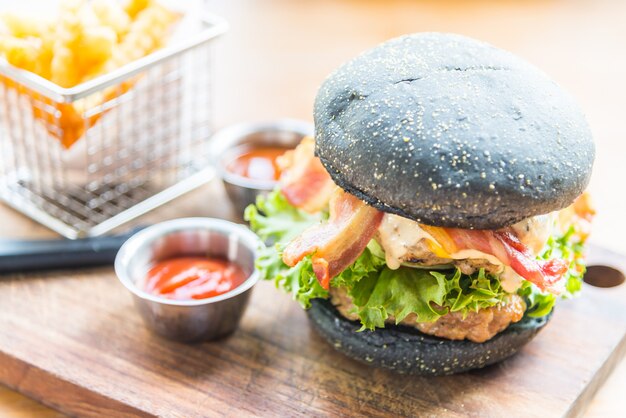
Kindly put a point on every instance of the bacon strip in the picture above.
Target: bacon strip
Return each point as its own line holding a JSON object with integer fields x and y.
{"x": 545, "y": 274}
{"x": 336, "y": 244}
{"x": 506, "y": 247}
{"x": 304, "y": 181}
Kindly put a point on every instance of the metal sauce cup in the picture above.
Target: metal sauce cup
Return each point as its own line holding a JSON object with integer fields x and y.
{"x": 233, "y": 141}
{"x": 197, "y": 319}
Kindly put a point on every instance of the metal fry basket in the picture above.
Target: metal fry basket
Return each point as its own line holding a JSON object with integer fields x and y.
{"x": 86, "y": 159}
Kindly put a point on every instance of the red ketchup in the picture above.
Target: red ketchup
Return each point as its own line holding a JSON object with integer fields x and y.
{"x": 188, "y": 278}
{"x": 258, "y": 164}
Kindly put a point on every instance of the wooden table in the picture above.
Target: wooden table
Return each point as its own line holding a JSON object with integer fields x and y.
{"x": 279, "y": 51}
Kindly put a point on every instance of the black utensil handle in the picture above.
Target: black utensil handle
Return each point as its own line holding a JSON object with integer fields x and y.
{"x": 18, "y": 256}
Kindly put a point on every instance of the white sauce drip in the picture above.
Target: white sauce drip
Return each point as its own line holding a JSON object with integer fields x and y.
{"x": 534, "y": 232}
{"x": 510, "y": 280}
{"x": 397, "y": 235}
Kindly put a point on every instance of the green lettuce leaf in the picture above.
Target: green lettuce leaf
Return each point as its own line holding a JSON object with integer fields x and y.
{"x": 566, "y": 247}
{"x": 367, "y": 264}
{"x": 378, "y": 292}
{"x": 274, "y": 219}
{"x": 472, "y": 293}
{"x": 299, "y": 280}
{"x": 426, "y": 294}
{"x": 398, "y": 293}
{"x": 538, "y": 303}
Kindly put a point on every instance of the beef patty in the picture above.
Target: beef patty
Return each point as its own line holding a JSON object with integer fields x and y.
{"x": 477, "y": 326}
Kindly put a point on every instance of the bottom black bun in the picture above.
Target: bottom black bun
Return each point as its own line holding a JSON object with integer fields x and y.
{"x": 408, "y": 351}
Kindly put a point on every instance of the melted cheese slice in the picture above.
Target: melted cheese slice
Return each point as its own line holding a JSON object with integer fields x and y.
{"x": 398, "y": 235}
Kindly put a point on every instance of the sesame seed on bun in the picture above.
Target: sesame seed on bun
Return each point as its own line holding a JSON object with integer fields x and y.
{"x": 450, "y": 131}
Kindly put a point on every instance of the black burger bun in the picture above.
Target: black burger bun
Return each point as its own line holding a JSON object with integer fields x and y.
{"x": 406, "y": 350}
{"x": 453, "y": 132}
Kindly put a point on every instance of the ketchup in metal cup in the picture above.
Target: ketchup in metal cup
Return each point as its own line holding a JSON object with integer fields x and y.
{"x": 188, "y": 278}
{"x": 258, "y": 163}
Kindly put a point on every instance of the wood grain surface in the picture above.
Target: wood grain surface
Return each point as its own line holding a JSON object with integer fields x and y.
{"x": 279, "y": 51}
{"x": 74, "y": 341}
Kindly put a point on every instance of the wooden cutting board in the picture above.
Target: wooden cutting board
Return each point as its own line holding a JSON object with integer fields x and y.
{"x": 73, "y": 341}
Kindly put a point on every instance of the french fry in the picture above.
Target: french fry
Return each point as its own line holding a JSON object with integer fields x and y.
{"x": 133, "y": 7}
{"x": 97, "y": 45}
{"x": 146, "y": 34}
{"x": 63, "y": 68}
{"x": 21, "y": 53}
{"x": 22, "y": 26}
{"x": 87, "y": 39}
{"x": 46, "y": 52}
{"x": 111, "y": 14}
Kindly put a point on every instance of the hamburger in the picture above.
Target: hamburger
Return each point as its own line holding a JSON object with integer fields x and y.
{"x": 439, "y": 212}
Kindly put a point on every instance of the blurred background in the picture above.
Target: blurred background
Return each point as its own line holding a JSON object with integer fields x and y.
{"x": 277, "y": 52}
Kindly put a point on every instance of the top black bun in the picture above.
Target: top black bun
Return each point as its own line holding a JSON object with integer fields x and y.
{"x": 452, "y": 132}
